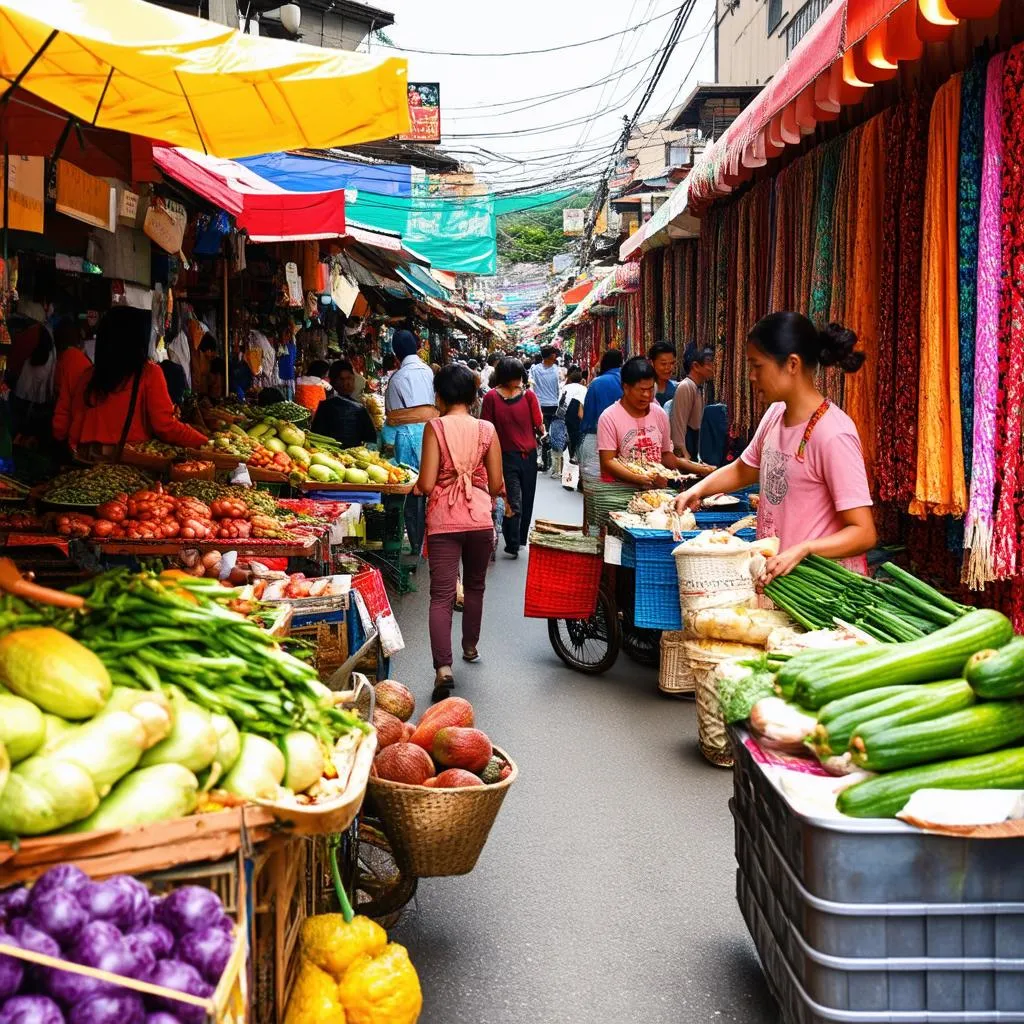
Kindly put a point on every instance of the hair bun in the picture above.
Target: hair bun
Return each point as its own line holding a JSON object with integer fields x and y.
{"x": 837, "y": 348}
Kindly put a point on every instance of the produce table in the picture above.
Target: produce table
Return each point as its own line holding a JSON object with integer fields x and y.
{"x": 873, "y": 920}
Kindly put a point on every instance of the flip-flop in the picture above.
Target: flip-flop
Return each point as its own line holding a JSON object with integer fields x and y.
{"x": 442, "y": 688}
{"x": 471, "y": 657}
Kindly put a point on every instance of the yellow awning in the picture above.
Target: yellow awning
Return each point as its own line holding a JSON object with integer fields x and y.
{"x": 133, "y": 67}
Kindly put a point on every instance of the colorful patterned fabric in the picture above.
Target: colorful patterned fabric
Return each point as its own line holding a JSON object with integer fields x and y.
{"x": 885, "y": 470}
{"x": 1011, "y": 320}
{"x": 972, "y": 138}
{"x": 908, "y": 299}
{"x": 978, "y": 569}
{"x": 940, "y": 488}
{"x": 825, "y": 220}
{"x": 865, "y": 266}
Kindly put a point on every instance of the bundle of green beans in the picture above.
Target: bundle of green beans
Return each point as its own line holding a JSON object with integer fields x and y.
{"x": 892, "y": 610}
{"x": 150, "y": 631}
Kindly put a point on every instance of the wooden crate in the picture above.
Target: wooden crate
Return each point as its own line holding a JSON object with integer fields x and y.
{"x": 149, "y": 848}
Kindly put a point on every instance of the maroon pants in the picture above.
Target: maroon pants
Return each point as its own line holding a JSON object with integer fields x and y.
{"x": 444, "y": 551}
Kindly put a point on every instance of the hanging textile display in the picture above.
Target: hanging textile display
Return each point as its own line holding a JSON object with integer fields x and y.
{"x": 830, "y": 379}
{"x": 783, "y": 289}
{"x": 650, "y": 282}
{"x": 666, "y": 293}
{"x": 940, "y": 488}
{"x": 862, "y": 292}
{"x": 1011, "y": 320}
{"x": 972, "y": 139}
{"x": 846, "y": 214}
{"x": 809, "y": 183}
{"x": 900, "y": 301}
{"x": 978, "y": 568}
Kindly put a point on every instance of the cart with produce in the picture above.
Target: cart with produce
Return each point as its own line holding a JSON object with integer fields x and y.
{"x": 594, "y": 609}
{"x": 879, "y": 803}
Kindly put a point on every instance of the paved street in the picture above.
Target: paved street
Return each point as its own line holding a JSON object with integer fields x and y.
{"x": 607, "y": 890}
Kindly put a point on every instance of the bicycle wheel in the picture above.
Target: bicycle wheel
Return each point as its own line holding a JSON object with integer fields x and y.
{"x": 642, "y": 645}
{"x": 588, "y": 645}
{"x": 382, "y": 888}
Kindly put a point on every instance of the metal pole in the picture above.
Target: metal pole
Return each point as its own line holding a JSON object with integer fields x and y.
{"x": 227, "y": 339}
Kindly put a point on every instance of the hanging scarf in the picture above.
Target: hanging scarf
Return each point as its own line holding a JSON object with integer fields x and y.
{"x": 824, "y": 215}
{"x": 1011, "y": 318}
{"x": 806, "y": 225}
{"x": 978, "y": 569}
{"x": 861, "y": 391}
{"x": 885, "y": 472}
{"x": 908, "y": 300}
{"x": 972, "y": 138}
{"x": 939, "y": 487}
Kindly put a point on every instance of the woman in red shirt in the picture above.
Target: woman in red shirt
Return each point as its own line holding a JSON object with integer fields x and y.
{"x": 517, "y": 420}
{"x": 124, "y": 397}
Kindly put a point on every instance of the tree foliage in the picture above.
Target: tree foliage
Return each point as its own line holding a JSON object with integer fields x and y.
{"x": 535, "y": 236}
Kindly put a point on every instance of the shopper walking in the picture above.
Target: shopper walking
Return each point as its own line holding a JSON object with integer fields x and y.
{"x": 409, "y": 405}
{"x": 605, "y": 390}
{"x": 574, "y": 394}
{"x": 517, "y": 418}
{"x": 460, "y": 472}
{"x": 545, "y": 381}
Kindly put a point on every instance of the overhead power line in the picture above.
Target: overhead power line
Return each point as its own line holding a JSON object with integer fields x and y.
{"x": 528, "y": 53}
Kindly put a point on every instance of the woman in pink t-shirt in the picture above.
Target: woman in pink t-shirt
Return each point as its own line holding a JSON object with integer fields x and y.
{"x": 460, "y": 472}
{"x": 806, "y": 452}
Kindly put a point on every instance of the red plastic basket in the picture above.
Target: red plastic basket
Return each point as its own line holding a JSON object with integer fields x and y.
{"x": 371, "y": 585}
{"x": 561, "y": 584}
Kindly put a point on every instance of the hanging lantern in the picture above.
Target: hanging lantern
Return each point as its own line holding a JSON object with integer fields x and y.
{"x": 901, "y": 39}
{"x": 973, "y": 8}
{"x": 790, "y": 129}
{"x": 935, "y": 21}
{"x": 848, "y": 87}
{"x": 806, "y": 115}
{"x": 825, "y": 107}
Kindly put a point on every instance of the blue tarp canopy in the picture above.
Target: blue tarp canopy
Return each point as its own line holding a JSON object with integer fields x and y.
{"x": 308, "y": 174}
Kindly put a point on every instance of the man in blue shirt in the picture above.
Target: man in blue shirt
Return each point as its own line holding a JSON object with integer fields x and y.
{"x": 604, "y": 391}
{"x": 545, "y": 383}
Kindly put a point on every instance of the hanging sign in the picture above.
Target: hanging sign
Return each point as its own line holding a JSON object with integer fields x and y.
{"x": 85, "y": 197}
{"x": 25, "y": 188}
{"x": 573, "y": 222}
{"x": 424, "y": 112}
{"x": 128, "y": 205}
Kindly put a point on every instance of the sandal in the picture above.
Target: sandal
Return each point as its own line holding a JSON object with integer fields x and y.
{"x": 443, "y": 686}
{"x": 471, "y": 654}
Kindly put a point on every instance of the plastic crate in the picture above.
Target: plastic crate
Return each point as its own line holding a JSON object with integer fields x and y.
{"x": 561, "y": 584}
{"x": 824, "y": 988}
{"x": 875, "y": 932}
{"x": 656, "y": 601}
{"x": 723, "y": 519}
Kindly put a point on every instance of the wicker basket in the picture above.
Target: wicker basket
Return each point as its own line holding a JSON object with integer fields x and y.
{"x": 675, "y": 676}
{"x": 439, "y": 832}
{"x": 704, "y": 657}
{"x": 711, "y": 578}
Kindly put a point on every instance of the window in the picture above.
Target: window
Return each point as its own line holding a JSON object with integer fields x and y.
{"x": 678, "y": 154}
{"x": 775, "y": 15}
{"x": 802, "y": 22}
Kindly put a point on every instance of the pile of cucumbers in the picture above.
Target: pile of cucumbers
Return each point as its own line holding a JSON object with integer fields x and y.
{"x": 940, "y": 712}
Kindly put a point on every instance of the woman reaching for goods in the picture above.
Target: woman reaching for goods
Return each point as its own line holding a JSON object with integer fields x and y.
{"x": 806, "y": 452}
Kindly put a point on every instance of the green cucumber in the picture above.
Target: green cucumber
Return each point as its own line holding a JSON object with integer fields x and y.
{"x": 886, "y": 795}
{"x": 944, "y": 699}
{"x": 973, "y": 730}
{"x": 998, "y": 674}
{"x": 914, "y": 704}
{"x": 791, "y": 674}
{"x": 843, "y": 705}
{"x": 938, "y": 656}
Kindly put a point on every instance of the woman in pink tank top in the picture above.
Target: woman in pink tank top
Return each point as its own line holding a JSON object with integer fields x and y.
{"x": 460, "y": 472}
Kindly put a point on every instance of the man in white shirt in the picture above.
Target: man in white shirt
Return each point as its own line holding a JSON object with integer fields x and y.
{"x": 545, "y": 383}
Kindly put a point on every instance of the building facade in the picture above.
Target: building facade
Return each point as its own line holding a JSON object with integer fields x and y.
{"x": 754, "y": 37}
